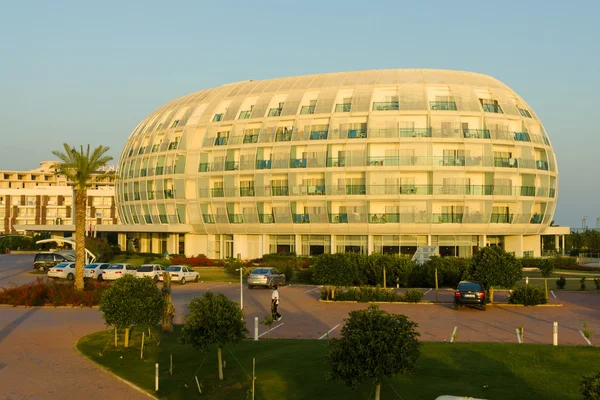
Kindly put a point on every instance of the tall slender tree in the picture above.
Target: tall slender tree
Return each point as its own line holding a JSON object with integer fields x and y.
{"x": 79, "y": 166}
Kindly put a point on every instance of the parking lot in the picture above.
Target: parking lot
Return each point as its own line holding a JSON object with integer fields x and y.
{"x": 39, "y": 341}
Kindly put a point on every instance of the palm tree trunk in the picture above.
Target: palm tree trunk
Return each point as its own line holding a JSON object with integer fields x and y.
{"x": 80, "y": 208}
{"x": 378, "y": 391}
{"x": 220, "y": 364}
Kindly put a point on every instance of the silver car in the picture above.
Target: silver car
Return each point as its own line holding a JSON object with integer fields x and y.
{"x": 265, "y": 277}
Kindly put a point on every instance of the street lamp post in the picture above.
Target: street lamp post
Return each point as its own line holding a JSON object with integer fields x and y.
{"x": 583, "y": 224}
{"x": 241, "y": 269}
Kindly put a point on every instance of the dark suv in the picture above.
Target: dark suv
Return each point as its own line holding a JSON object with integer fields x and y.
{"x": 469, "y": 294}
{"x": 45, "y": 261}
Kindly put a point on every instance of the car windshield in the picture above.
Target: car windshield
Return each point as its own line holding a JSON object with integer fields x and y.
{"x": 172, "y": 268}
{"x": 472, "y": 286}
{"x": 91, "y": 266}
{"x": 260, "y": 271}
{"x": 145, "y": 268}
{"x": 43, "y": 257}
{"x": 62, "y": 265}
{"x": 115, "y": 267}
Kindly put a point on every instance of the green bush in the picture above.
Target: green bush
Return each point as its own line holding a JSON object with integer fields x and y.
{"x": 597, "y": 283}
{"x": 582, "y": 283}
{"x": 412, "y": 296}
{"x": 364, "y": 294}
{"x": 528, "y": 295}
{"x": 590, "y": 387}
{"x": 561, "y": 282}
{"x": 305, "y": 275}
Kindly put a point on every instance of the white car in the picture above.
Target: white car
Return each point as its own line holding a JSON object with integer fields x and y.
{"x": 116, "y": 271}
{"x": 152, "y": 271}
{"x": 63, "y": 270}
{"x": 94, "y": 271}
{"x": 181, "y": 274}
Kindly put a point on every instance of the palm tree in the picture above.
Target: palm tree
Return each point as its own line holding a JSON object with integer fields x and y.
{"x": 79, "y": 167}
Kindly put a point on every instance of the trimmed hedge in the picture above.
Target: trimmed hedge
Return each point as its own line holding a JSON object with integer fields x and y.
{"x": 528, "y": 295}
{"x": 365, "y": 294}
{"x": 560, "y": 262}
{"x": 55, "y": 293}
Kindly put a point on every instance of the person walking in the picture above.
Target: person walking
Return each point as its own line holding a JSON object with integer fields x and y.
{"x": 274, "y": 303}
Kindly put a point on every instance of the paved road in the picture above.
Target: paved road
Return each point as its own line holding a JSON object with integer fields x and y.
{"x": 38, "y": 342}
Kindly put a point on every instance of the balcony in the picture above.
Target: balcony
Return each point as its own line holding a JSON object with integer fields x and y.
{"x": 300, "y": 218}
{"x": 442, "y": 105}
{"x": 150, "y": 194}
{"x": 247, "y": 192}
{"x": 250, "y": 139}
{"x": 217, "y": 192}
{"x": 318, "y": 190}
{"x": 279, "y": 191}
{"x": 169, "y": 194}
{"x": 136, "y": 195}
{"x": 336, "y": 162}
{"x": 414, "y": 132}
{"x": 501, "y": 219}
{"x": 522, "y": 137}
{"x": 235, "y": 219}
{"x": 274, "y": 112}
{"x": 357, "y": 133}
{"x": 343, "y": 107}
{"x": 263, "y": 164}
{"x": 208, "y": 218}
{"x": 173, "y": 145}
{"x": 283, "y": 136}
{"x": 476, "y": 134}
{"x": 386, "y": 106}
{"x": 348, "y": 190}
{"x": 527, "y": 191}
{"x": 204, "y": 167}
{"x": 158, "y": 171}
{"x": 338, "y": 218}
{"x": 221, "y": 141}
{"x": 318, "y": 135}
{"x": 155, "y": 148}
{"x": 232, "y": 165}
{"x": 307, "y": 110}
{"x": 447, "y": 218}
{"x": 450, "y": 161}
{"x": 218, "y": 117}
{"x": 506, "y": 162}
{"x": 552, "y": 193}
{"x": 266, "y": 218}
{"x": 536, "y": 219}
{"x": 541, "y": 165}
{"x": 298, "y": 163}
{"x": 492, "y": 108}
{"x": 388, "y": 218}
{"x": 524, "y": 112}
{"x": 143, "y": 172}
{"x": 245, "y": 114}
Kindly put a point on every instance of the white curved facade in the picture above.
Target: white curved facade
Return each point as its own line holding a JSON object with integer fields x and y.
{"x": 370, "y": 161}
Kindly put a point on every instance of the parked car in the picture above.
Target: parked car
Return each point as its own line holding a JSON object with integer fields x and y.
{"x": 43, "y": 261}
{"x": 265, "y": 277}
{"x": 181, "y": 274}
{"x": 94, "y": 271}
{"x": 153, "y": 271}
{"x": 62, "y": 271}
{"x": 470, "y": 293}
{"x": 116, "y": 271}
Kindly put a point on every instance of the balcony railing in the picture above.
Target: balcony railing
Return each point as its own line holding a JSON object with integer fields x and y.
{"x": 279, "y": 191}
{"x": 173, "y": 145}
{"x": 524, "y": 112}
{"x": 250, "y": 139}
{"x": 217, "y": 192}
{"x": 338, "y": 218}
{"x": 527, "y": 191}
{"x": 357, "y": 133}
{"x": 263, "y": 164}
{"x": 274, "y": 112}
{"x": 522, "y": 137}
{"x": 476, "y": 134}
{"x": 266, "y": 218}
{"x": 536, "y": 219}
{"x": 447, "y": 218}
{"x": 247, "y": 192}
{"x": 343, "y": 107}
{"x": 492, "y": 108}
{"x": 150, "y": 194}
{"x": 386, "y": 106}
{"x": 143, "y": 172}
{"x": 204, "y": 167}
{"x": 298, "y": 163}
{"x": 541, "y": 165}
{"x": 158, "y": 171}
{"x": 506, "y": 162}
{"x": 232, "y": 165}
{"x": 236, "y": 219}
{"x": 387, "y": 218}
{"x": 300, "y": 218}
{"x": 318, "y": 135}
{"x": 307, "y": 110}
{"x": 208, "y": 218}
{"x": 245, "y": 114}
{"x": 442, "y": 105}
{"x": 501, "y": 219}
{"x": 169, "y": 193}
{"x": 221, "y": 141}
{"x": 283, "y": 136}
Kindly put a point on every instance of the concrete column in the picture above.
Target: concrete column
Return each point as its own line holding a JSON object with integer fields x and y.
{"x": 519, "y": 251}
{"x": 563, "y": 245}
{"x": 428, "y": 240}
{"x": 333, "y": 249}
{"x": 298, "y": 245}
{"x": 483, "y": 241}
{"x": 370, "y": 245}
{"x": 265, "y": 244}
{"x": 122, "y": 241}
{"x": 556, "y": 243}
{"x": 173, "y": 243}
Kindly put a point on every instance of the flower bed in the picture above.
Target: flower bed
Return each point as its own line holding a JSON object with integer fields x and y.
{"x": 54, "y": 293}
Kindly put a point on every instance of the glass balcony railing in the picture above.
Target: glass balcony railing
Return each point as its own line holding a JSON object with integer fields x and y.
{"x": 506, "y": 162}
{"x": 221, "y": 141}
{"x": 307, "y": 110}
{"x": 247, "y": 192}
{"x": 449, "y": 161}
{"x": 318, "y": 135}
{"x": 173, "y": 145}
{"x": 552, "y": 193}
{"x": 150, "y": 194}
{"x": 501, "y": 219}
{"x": 217, "y": 192}
{"x": 343, "y": 107}
{"x": 245, "y": 114}
{"x": 442, "y": 105}
{"x": 169, "y": 193}
{"x": 300, "y": 218}
{"x": 336, "y": 162}
{"x": 232, "y": 165}
{"x": 136, "y": 195}
{"x": 266, "y": 218}
{"x": 208, "y": 218}
{"x": 235, "y": 219}
{"x": 357, "y": 133}
{"x": 250, "y": 139}
{"x": 283, "y": 136}
{"x": 274, "y": 112}
{"x": 386, "y": 106}
{"x": 447, "y": 218}
{"x": 492, "y": 108}
{"x": 158, "y": 171}
{"x": 279, "y": 191}
{"x": 527, "y": 191}
{"x": 522, "y": 137}
{"x": 536, "y": 219}
{"x": 143, "y": 172}
{"x": 263, "y": 164}
{"x": 298, "y": 163}
{"x": 338, "y": 218}
{"x": 476, "y": 134}
{"x": 387, "y": 218}
{"x": 524, "y": 112}
{"x": 204, "y": 167}
{"x": 541, "y": 165}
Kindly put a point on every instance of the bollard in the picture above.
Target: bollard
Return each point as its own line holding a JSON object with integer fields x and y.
{"x": 555, "y": 338}
{"x": 156, "y": 378}
{"x": 527, "y": 280}
{"x": 255, "y": 328}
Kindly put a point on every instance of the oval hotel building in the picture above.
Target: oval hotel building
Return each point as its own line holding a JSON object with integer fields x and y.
{"x": 377, "y": 161}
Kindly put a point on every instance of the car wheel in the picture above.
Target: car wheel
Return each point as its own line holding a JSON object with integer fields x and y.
{"x": 482, "y": 307}
{"x": 70, "y": 277}
{"x": 456, "y": 306}
{"x": 155, "y": 278}
{"x": 41, "y": 268}
{"x": 182, "y": 281}
{"x": 197, "y": 279}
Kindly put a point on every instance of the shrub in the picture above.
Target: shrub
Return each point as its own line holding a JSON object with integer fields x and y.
{"x": 412, "y": 296}
{"x": 582, "y": 283}
{"x": 590, "y": 386}
{"x": 56, "y": 293}
{"x": 305, "y": 275}
{"x": 561, "y": 282}
{"x": 528, "y": 295}
{"x": 364, "y": 294}
{"x": 196, "y": 261}
{"x": 597, "y": 283}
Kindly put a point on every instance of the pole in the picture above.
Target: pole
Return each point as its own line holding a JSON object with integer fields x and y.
{"x": 555, "y": 339}
{"x": 253, "y": 375}
{"x": 436, "y": 286}
{"x": 527, "y": 280}
{"x": 255, "y": 328}
{"x": 142, "y": 350}
{"x": 241, "y": 291}
{"x": 171, "y": 367}
{"x": 384, "y": 277}
{"x": 156, "y": 378}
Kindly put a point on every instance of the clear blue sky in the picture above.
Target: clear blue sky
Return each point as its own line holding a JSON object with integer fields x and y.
{"x": 87, "y": 72}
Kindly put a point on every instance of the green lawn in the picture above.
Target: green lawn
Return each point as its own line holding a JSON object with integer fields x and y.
{"x": 296, "y": 369}
{"x": 216, "y": 274}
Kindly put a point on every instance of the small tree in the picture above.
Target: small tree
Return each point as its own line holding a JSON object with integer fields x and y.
{"x": 168, "y": 309}
{"x": 213, "y": 319}
{"x": 268, "y": 322}
{"x": 373, "y": 345}
{"x": 492, "y": 266}
{"x": 332, "y": 269}
{"x": 546, "y": 267}
{"x": 132, "y": 301}
{"x": 590, "y": 387}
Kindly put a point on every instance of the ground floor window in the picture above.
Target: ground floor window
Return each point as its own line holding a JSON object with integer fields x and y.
{"x": 314, "y": 245}
{"x": 463, "y": 246}
{"x": 282, "y": 244}
{"x": 351, "y": 244}
{"x": 398, "y": 244}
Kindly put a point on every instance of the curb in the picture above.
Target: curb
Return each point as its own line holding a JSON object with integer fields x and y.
{"x": 46, "y": 306}
{"x": 103, "y": 368}
{"x": 432, "y": 303}
{"x": 522, "y": 305}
